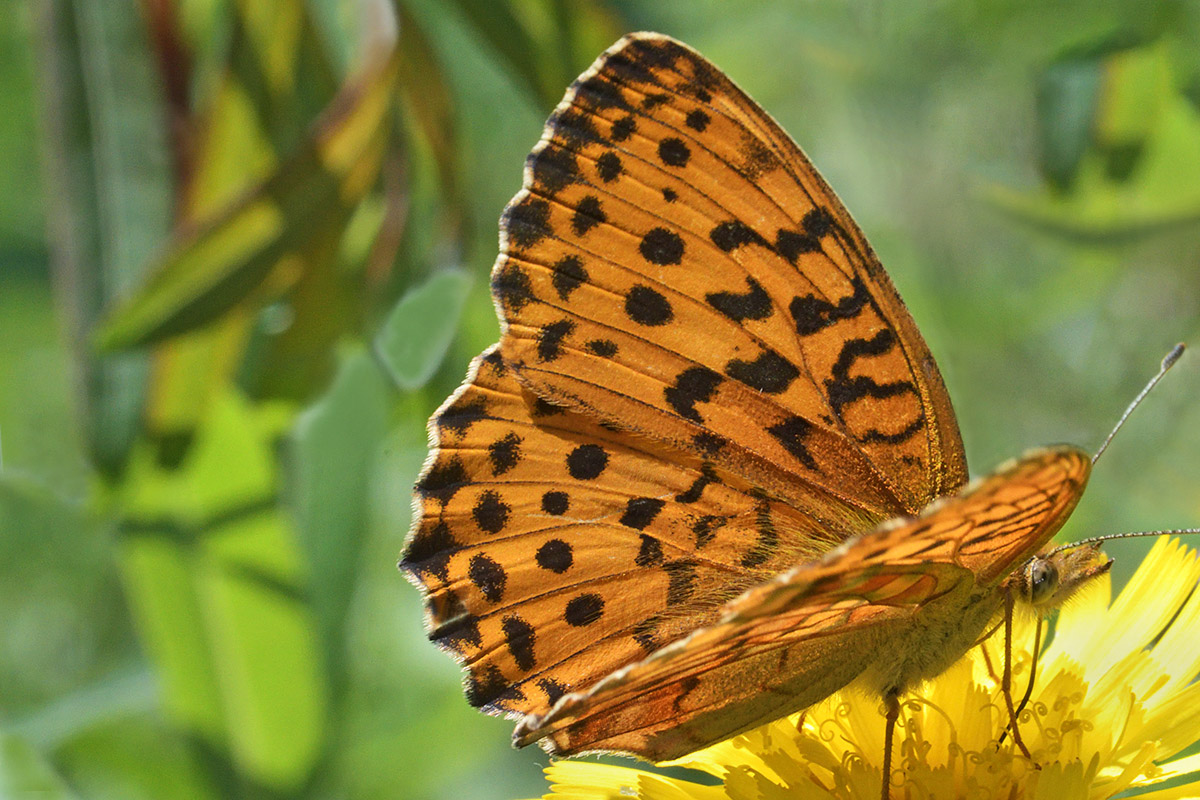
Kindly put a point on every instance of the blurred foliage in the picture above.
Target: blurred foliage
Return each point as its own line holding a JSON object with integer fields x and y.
{"x": 254, "y": 261}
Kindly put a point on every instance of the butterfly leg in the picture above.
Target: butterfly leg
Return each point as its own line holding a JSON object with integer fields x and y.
{"x": 892, "y": 701}
{"x": 1006, "y": 683}
{"x": 1037, "y": 646}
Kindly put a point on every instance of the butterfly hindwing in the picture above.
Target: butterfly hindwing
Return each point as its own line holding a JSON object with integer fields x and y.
{"x": 553, "y": 551}
{"x": 897, "y": 604}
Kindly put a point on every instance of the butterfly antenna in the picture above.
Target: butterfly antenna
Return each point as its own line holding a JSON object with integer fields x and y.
{"x": 1129, "y": 535}
{"x": 1167, "y": 362}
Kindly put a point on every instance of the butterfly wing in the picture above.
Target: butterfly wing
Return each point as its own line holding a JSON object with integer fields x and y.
{"x": 552, "y": 551}
{"x": 677, "y": 268}
{"x": 888, "y": 605}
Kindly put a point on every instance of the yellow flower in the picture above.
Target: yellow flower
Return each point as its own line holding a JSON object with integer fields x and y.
{"x": 1113, "y": 705}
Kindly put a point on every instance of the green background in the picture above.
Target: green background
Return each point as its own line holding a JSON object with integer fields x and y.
{"x": 199, "y": 524}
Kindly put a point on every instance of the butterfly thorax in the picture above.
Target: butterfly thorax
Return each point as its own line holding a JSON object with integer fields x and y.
{"x": 933, "y": 640}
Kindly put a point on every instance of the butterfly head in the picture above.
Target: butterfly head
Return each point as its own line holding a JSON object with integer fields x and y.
{"x": 1048, "y": 581}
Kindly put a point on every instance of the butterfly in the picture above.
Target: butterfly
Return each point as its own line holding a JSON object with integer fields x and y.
{"x": 710, "y": 474}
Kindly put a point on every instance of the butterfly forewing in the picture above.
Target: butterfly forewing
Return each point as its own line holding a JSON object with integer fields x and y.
{"x": 675, "y": 266}
{"x": 907, "y": 599}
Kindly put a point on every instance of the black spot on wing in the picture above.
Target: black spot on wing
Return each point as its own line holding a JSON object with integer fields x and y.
{"x": 456, "y": 629}
{"x": 693, "y": 492}
{"x": 488, "y": 576}
{"x": 770, "y": 372}
{"x": 512, "y": 287}
{"x": 428, "y": 552}
{"x": 899, "y": 436}
{"x": 527, "y": 222}
{"x": 493, "y": 361}
{"x": 554, "y": 689}
{"x": 490, "y": 512}
{"x": 574, "y": 128}
{"x": 598, "y": 92}
{"x": 519, "y": 637}
{"x": 757, "y": 159}
{"x": 755, "y": 303}
{"x": 693, "y": 385}
{"x": 650, "y": 552}
{"x": 813, "y": 314}
{"x": 443, "y": 479}
{"x": 588, "y": 214}
{"x": 647, "y": 307}
{"x": 768, "y": 537}
{"x": 730, "y": 235}
{"x": 551, "y": 337}
{"x": 681, "y": 581}
{"x": 697, "y": 120}
{"x": 653, "y": 101}
{"x": 583, "y": 610}
{"x": 708, "y": 443}
{"x": 792, "y": 433}
{"x": 674, "y": 152}
{"x": 554, "y": 168}
{"x": 459, "y": 418}
{"x": 662, "y": 247}
{"x": 586, "y": 462}
{"x": 555, "y": 503}
{"x": 818, "y": 223}
{"x": 641, "y": 511}
{"x": 645, "y": 633}
{"x": 504, "y": 453}
{"x": 608, "y": 166}
{"x": 791, "y": 245}
{"x": 706, "y": 527}
{"x": 542, "y": 407}
{"x": 569, "y": 274}
{"x": 555, "y": 556}
{"x": 622, "y": 129}
{"x": 491, "y": 690}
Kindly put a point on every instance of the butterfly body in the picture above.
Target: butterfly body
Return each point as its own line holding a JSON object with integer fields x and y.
{"x": 693, "y": 487}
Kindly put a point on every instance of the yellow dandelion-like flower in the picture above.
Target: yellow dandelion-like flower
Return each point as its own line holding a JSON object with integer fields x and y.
{"x": 1112, "y": 707}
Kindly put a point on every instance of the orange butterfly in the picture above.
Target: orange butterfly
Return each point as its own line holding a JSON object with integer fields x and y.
{"x": 693, "y": 487}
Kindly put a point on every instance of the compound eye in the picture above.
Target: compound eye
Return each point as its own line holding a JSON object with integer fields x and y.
{"x": 1043, "y": 581}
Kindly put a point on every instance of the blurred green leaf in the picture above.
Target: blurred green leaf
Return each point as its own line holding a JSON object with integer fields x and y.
{"x": 497, "y": 24}
{"x": 111, "y": 198}
{"x": 427, "y": 98}
{"x": 1118, "y": 148}
{"x": 24, "y": 773}
{"x": 544, "y": 44}
{"x": 219, "y": 591}
{"x": 55, "y": 558}
{"x": 335, "y": 444}
{"x": 1067, "y": 96}
{"x": 114, "y": 697}
{"x": 258, "y": 243}
{"x": 141, "y": 758}
{"x": 1138, "y": 86}
{"x": 1164, "y": 192}
{"x": 414, "y": 339}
